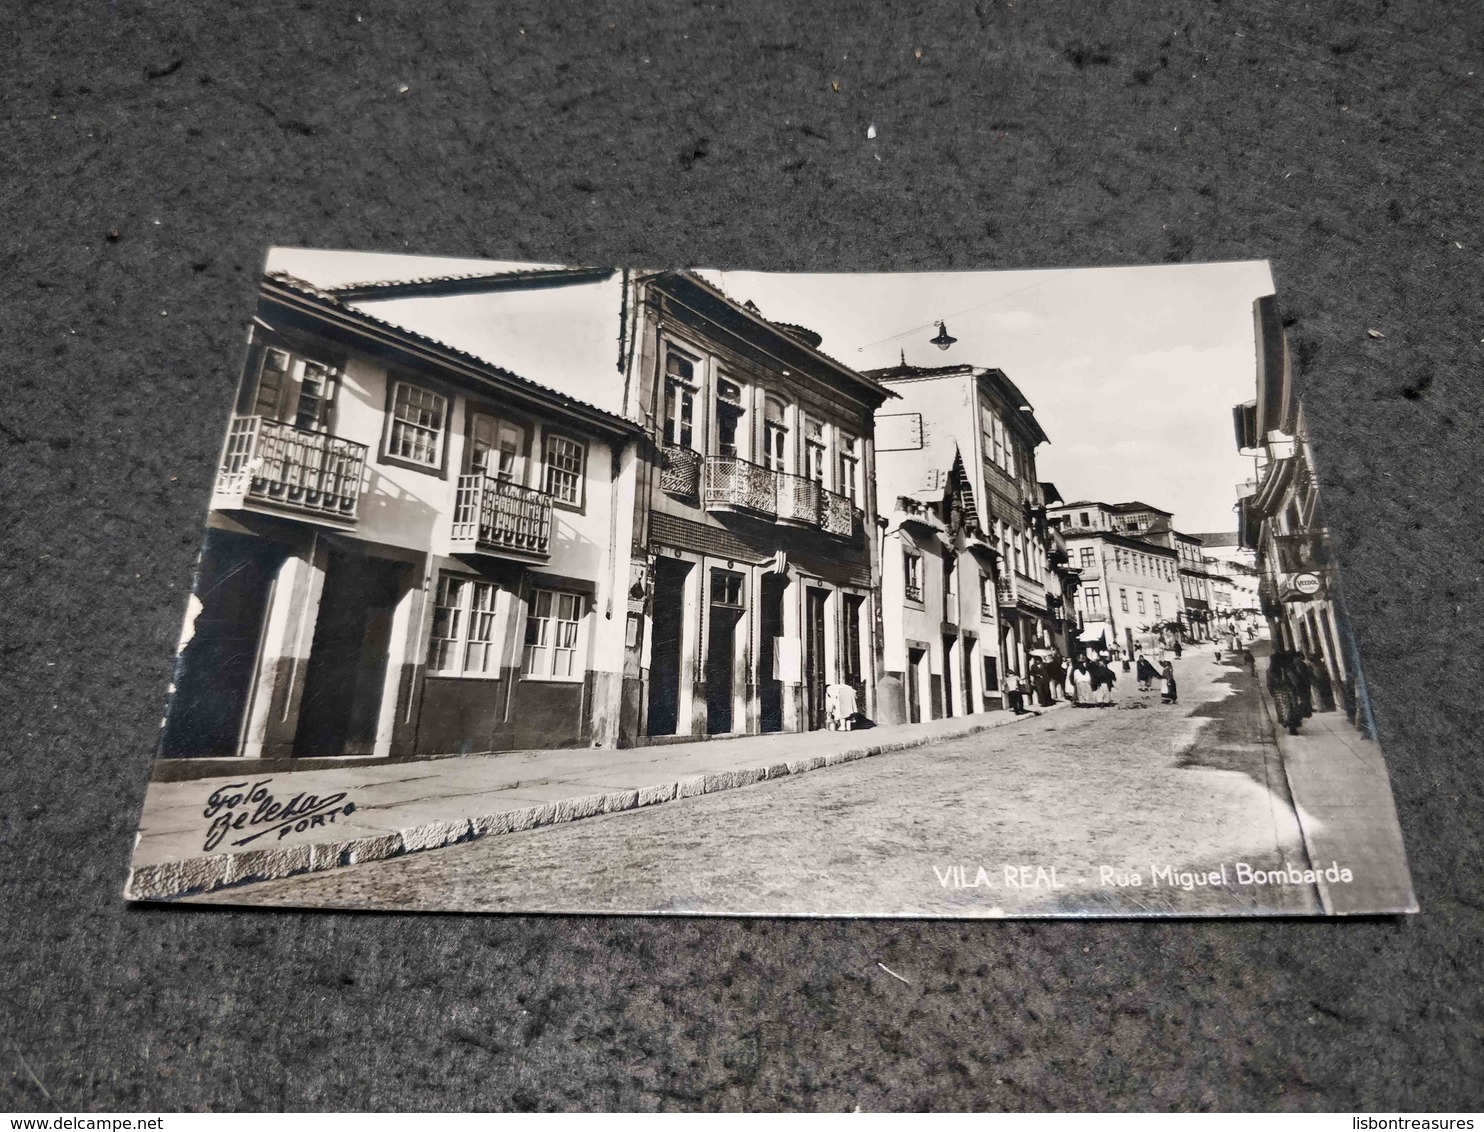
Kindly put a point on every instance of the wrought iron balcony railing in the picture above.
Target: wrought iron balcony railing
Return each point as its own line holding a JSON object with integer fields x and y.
{"x": 680, "y": 472}
{"x": 273, "y": 463}
{"x": 735, "y": 484}
{"x": 497, "y": 517}
{"x": 798, "y": 500}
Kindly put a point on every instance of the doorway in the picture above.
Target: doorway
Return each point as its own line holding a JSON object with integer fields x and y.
{"x": 347, "y": 666}
{"x": 721, "y": 651}
{"x": 215, "y": 671}
{"x": 949, "y": 662}
{"x": 666, "y": 630}
{"x": 770, "y": 628}
{"x": 814, "y": 660}
{"x": 914, "y": 685}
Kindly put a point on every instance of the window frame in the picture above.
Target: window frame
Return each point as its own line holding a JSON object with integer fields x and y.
{"x": 547, "y": 438}
{"x": 384, "y": 454}
{"x": 583, "y": 603}
{"x": 694, "y": 387}
{"x": 912, "y": 565}
{"x": 474, "y": 410}
{"x": 458, "y": 644}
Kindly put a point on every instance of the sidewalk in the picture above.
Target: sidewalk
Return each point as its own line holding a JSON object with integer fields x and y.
{"x": 1343, "y": 797}
{"x": 272, "y": 825}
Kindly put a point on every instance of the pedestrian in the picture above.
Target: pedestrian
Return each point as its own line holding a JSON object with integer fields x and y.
{"x": 1041, "y": 678}
{"x": 1082, "y": 684}
{"x": 1014, "y": 693}
{"x": 1281, "y": 688}
{"x": 1102, "y": 684}
{"x": 1177, "y": 648}
{"x": 1058, "y": 673}
{"x": 1250, "y": 661}
{"x": 1303, "y": 683}
{"x": 1147, "y": 673}
{"x": 1324, "y": 687}
{"x": 1168, "y": 693}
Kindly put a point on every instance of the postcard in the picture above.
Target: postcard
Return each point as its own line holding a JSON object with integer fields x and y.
{"x": 537, "y": 588}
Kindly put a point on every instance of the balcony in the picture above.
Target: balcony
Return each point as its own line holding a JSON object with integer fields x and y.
{"x": 1031, "y": 593}
{"x": 1004, "y": 590}
{"x": 680, "y": 472}
{"x": 502, "y": 519}
{"x": 276, "y": 465}
{"x": 733, "y": 484}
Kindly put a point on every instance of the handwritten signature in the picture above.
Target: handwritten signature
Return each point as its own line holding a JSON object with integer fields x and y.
{"x": 241, "y": 807}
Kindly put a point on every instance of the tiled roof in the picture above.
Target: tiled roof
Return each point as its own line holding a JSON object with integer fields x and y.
{"x": 335, "y": 301}
{"x": 431, "y": 286}
{"x": 1218, "y": 538}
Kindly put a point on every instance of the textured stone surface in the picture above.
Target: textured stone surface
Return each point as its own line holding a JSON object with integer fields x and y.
{"x": 1340, "y": 139}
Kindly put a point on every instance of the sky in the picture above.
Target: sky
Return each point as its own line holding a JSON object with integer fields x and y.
{"x": 1132, "y": 371}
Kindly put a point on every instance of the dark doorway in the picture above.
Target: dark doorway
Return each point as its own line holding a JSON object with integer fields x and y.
{"x": 214, "y": 674}
{"x": 851, "y": 665}
{"x": 914, "y": 685}
{"x": 991, "y": 679}
{"x": 770, "y": 628}
{"x": 949, "y": 640}
{"x": 814, "y": 666}
{"x": 348, "y": 659}
{"x": 664, "y": 646}
{"x": 721, "y": 651}
{"x": 967, "y": 667}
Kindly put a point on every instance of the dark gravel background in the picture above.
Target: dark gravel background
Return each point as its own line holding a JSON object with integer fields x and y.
{"x": 152, "y": 150}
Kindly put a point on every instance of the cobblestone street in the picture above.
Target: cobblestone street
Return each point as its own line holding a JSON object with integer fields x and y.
{"x": 1126, "y": 788}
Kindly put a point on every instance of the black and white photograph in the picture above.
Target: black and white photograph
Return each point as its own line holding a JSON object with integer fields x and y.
{"x": 540, "y": 588}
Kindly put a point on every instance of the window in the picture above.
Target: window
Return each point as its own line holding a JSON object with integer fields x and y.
{"x": 1087, "y": 555}
{"x": 814, "y": 450}
{"x": 1093, "y": 596}
{"x": 1140, "y": 596}
{"x": 950, "y": 590}
{"x": 775, "y": 435}
{"x": 912, "y": 572}
{"x": 1123, "y": 599}
{"x": 986, "y": 592}
{"x": 564, "y": 460}
{"x": 728, "y": 416}
{"x": 419, "y": 417}
{"x": 552, "y": 621}
{"x": 1157, "y": 613}
{"x": 496, "y": 448}
{"x": 315, "y": 395}
{"x": 850, "y": 463}
{"x": 680, "y": 399}
{"x": 1084, "y": 519}
{"x": 294, "y": 390}
{"x": 726, "y": 589}
{"x": 462, "y": 640}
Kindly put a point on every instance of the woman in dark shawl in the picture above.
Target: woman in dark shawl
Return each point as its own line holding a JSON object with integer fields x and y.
{"x": 1147, "y": 673}
{"x": 1285, "y": 695}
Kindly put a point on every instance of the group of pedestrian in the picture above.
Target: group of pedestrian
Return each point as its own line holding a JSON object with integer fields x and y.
{"x": 1295, "y": 682}
{"x": 1090, "y": 682}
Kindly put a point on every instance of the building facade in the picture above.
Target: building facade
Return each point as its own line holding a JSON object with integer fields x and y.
{"x": 1129, "y": 591}
{"x": 971, "y": 567}
{"x": 1280, "y": 521}
{"x": 754, "y": 572}
{"x": 408, "y": 551}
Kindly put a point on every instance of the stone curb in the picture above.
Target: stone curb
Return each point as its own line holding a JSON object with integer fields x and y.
{"x": 171, "y": 880}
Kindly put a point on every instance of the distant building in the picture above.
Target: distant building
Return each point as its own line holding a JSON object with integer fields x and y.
{"x": 956, "y": 464}
{"x": 1129, "y": 581}
{"x": 1233, "y": 575}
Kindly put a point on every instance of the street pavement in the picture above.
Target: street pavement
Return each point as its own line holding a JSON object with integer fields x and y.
{"x": 1041, "y": 818}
